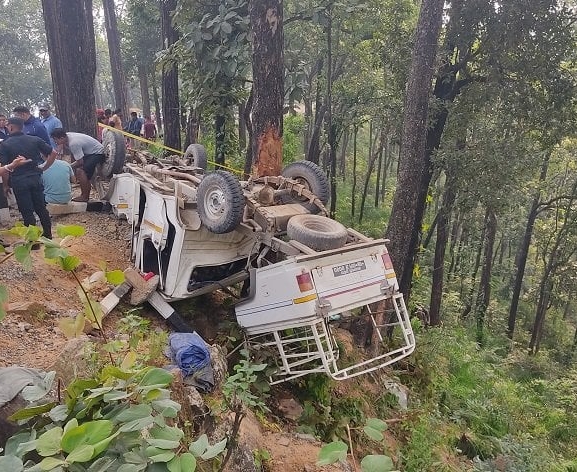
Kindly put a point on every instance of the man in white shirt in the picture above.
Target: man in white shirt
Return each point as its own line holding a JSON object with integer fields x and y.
{"x": 87, "y": 153}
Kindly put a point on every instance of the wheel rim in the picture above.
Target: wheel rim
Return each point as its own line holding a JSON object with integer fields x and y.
{"x": 214, "y": 203}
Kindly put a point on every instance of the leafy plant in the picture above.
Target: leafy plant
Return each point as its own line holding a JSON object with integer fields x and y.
{"x": 338, "y": 450}
{"x": 123, "y": 420}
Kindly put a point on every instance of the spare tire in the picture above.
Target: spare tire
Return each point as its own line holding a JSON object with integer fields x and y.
{"x": 220, "y": 202}
{"x": 196, "y": 154}
{"x": 313, "y": 178}
{"x": 114, "y": 153}
{"x": 317, "y": 232}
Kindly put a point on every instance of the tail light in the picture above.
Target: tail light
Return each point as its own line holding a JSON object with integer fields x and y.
{"x": 387, "y": 261}
{"x": 305, "y": 282}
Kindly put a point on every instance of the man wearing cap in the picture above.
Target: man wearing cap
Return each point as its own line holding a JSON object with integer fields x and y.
{"x": 26, "y": 180}
{"x": 50, "y": 121}
{"x": 32, "y": 125}
{"x": 87, "y": 153}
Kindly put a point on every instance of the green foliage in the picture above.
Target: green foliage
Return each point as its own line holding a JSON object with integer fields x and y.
{"x": 121, "y": 417}
{"x": 238, "y": 388}
{"x": 292, "y": 147}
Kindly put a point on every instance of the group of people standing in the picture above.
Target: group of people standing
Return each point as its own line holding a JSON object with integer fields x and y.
{"x": 31, "y": 152}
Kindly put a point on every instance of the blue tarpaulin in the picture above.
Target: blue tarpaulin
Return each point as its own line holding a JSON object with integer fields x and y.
{"x": 188, "y": 351}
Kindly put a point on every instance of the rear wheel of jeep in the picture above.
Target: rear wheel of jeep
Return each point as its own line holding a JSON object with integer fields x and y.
{"x": 196, "y": 154}
{"x": 317, "y": 232}
{"x": 313, "y": 178}
{"x": 114, "y": 153}
{"x": 220, "y": 202}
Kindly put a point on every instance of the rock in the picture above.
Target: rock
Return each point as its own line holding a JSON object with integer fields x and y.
{"x": 72, "y": 362}
{"x": 194, "y": 398}
{"x": 219, "y": 364}
{"x": 399, "y": 391}
{"x": 290, "y": 408}
{"x": 141, "y": 289}
{"x": 25, "y": 308}
{"x": 24, "y": 326}
{"x": 284, "y": 441}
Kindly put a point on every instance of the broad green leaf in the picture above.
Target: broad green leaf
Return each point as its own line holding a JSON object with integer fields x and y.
{"x": 97, "y": 392}
{"x": 11, "y": 463}
{"x": 26, "y": 413}
{"x": 48, "y": 443}
{"x": 55, "y": 253}
{"x": 377, "y": 463}
{"x": 136, "y": 425}
{"x": 116, "y": 395}
{"x": 374, "y": 434}
{"x": 159, "y": 455}
{"x": 69, "y": 263}
{"x": 102, "y": 464}
{"x": 214, "y": 450}
{"x": 32, "y": 393}
{"x": 129, "y": 360}
{"x": 166, "y": 407}
{"x": 170, "y": 433}
{"x": 163, "y": 443}
{"x": 22, "y": 255}
{"x": 13, "y": 444}
{"x": 111, "y": 371}
{"x": 377, "y": 424}
{"x": 131, "y": 468}
{"x": 82, "y": 453}
{"x": 91, "y": 433}
{"x": 69, "y": 230}
{"x": 73, "y": 423}
{"x": 156, "y": 376}
{"x": 49, "y": 463}
{"x": 187, "y": 462}
{"x": 332, "y": 452}
{"x": 115, "y": 277}
{"x": 3, "y": 301}
{"x": 199, "y": 446}
{"x": 135, "y": 412}
{"x": 58, "y": 413}
{"x": 174, "y": 465}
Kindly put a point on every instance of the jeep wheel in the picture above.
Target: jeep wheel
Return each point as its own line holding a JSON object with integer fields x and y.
{"x": 220, "y": 202}
{"x": 317, "y": 232}
{"x": 196, "y": 155}
{"x": 312, "y": 177}
{"x": 114, "y": 153}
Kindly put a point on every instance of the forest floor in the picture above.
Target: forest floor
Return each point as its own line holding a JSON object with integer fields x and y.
{"x": 39, "y": 297}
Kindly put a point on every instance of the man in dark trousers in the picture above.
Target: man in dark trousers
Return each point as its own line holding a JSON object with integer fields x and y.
{"x": 26, "y": 180}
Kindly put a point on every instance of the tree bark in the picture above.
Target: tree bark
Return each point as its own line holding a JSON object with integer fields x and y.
{"x": 116, "y": 68}
{"x": 220, "y": 138}
{"x": 157, "y": 108}
{"x": 484, "y": 295}
{"x": 444, "y": 215}
{"x": 144, "y": 94}
{"x": 241, "y": 127}
{"x": 414, "y": 167}
{"x": 354, "y": 186}
{"x": 266, "y": 18}
{"x": 170, "y": 97}
{"x": 248, "y": 121}
{"x": 523, "y": 252}
{"x": 70, "y": 39}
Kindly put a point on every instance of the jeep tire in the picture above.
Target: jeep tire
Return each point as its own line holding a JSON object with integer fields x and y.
{"x": 196, "y": 154}
{"x": 317, "y": 232}
{"x": 313, "y": 178}
{"x": 220, "y": 202}
{"x": 114, "y": 153}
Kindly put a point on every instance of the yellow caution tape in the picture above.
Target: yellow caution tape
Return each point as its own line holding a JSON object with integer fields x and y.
{"x": 154, "y": 143}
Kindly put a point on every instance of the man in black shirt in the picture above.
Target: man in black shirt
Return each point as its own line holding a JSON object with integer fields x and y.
{"x": 26, "y": 180}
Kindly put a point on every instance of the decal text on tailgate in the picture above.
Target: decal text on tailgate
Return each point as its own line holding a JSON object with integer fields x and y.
{"x": 349, "y": 268}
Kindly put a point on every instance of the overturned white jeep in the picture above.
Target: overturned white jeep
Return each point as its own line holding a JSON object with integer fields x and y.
{"x": 298, "y": 271}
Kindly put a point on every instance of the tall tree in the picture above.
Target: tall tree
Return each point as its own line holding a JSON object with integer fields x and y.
{"x": 70, "y": 38}
{"x": 116, "y": 66}
{"x": 414, "y": 170}
{"x": 170, "y": 96}
{"x": 266, "y": 18}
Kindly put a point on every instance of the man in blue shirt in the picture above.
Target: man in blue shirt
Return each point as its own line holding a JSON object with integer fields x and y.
{"x": 56, "y": 181}
{"x": 32, "y": 125}
{"x": 50, "y": 121}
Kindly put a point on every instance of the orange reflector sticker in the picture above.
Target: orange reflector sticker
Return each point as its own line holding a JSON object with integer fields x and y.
{"x": 305, "y": 282}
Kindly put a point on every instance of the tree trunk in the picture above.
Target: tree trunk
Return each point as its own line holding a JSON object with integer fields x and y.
{"x": 370, "y": 168}
{"x": 484, "y": 295}
{"x": 474, "y": 272}
{"x": 70, "y": 39}
{"x": 248, "y": 120}
{"x": 220, "y": 138}
{"x": 144, "y": 94}
{"x": 354, "y": 186}
{"x": 266, "y": 18}
{"x": 523, "y": 252}
{"x": 192, "y": 127}
{"x": 116, "y": 68}
{"x": 343, "y": 153}
{"x": 241, "y": 128}
{"x": 414, "y": 167}
{"x": 170, "y": 97}
{"x": 379, "y": 171}
{"x": 444, "y": 216}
